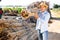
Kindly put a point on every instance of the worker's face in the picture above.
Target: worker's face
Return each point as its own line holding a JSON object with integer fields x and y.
{"x": 43, "y": 8}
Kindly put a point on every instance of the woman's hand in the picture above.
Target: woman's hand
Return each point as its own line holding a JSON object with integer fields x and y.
{"x": 36, "y": 16}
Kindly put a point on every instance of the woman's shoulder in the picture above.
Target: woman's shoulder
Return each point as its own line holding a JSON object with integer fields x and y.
{"x": 47, "y": 12}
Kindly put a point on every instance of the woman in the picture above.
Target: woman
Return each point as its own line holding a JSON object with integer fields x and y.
{"x": 42, "y": 17}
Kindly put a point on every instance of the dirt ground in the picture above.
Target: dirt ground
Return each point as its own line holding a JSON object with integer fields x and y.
{"x": 54, "y": 28}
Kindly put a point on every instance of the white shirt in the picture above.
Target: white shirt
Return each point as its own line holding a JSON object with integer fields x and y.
{"x": 42, "y": 21}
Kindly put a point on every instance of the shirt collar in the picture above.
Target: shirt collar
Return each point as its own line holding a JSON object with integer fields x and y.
{"x": 43, "y": 12}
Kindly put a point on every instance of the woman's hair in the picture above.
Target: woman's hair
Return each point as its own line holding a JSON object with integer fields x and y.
{"x": 43, "y": 3}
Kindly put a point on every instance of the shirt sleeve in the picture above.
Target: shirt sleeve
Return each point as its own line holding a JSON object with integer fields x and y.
{"x": 38, "y": 24}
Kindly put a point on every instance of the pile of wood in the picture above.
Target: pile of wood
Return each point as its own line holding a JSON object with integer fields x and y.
{"x": 17, "y": 31}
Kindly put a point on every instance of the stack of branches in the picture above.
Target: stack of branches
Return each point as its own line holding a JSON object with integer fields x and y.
{"x": 4, "y": 30}
{"x": 3, "y": 34}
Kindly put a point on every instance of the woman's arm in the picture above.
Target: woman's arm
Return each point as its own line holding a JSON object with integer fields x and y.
{"x": 36, "y": 16}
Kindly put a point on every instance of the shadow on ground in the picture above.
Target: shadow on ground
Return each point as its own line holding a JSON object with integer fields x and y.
{"x": 55, "y": 18}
